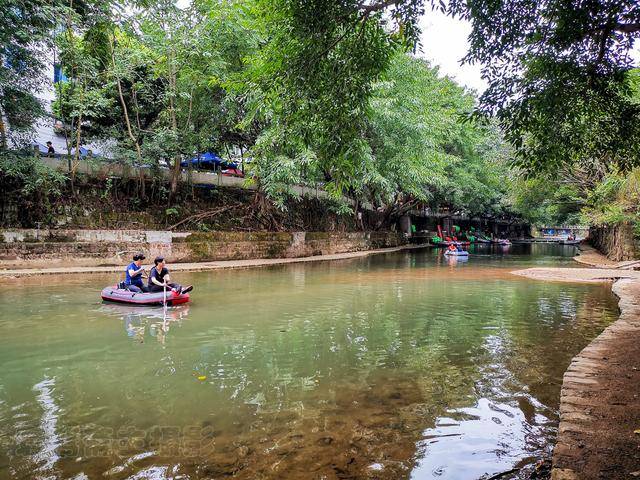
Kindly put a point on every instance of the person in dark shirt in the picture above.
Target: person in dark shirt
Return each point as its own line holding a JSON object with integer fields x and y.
{"x": 160, "y": 280}
{"x": 134, "y": 273}
{"x": 50, "y": 150}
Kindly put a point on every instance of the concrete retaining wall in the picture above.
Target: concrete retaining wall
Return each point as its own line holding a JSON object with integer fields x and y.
{"x": 31, "y": 248}
{"x": 101, "y": 169}
{"x": 617, "y": 242}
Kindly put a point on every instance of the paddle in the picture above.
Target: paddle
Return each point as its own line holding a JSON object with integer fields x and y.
{"x": 164, "y": 307}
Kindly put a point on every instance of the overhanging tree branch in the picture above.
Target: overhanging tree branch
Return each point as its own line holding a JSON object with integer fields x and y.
{"x": 368, "y": 9}
{"x": 626, "y": 27}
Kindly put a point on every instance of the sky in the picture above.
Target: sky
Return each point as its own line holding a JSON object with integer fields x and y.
{"x": 444, "y": 43}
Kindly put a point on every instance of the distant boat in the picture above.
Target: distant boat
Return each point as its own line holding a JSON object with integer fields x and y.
{"x": 457, "y": 253}
{"x": 463, "y": 243}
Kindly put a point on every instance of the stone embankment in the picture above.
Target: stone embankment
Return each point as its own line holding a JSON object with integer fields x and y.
{"x": 21, "y": 249}
{"x": 600, "y": 396}
{"x": 10, "y": 274}
{"x": 618, "y": 242}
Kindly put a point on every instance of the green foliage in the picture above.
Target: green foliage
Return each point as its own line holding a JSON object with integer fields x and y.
{"x": 585, "y": 189}
{"x": 545, "y": 201}
{"x": 28, "y": 175}
{"x": 26, "y": 42}
{"x": 315, "y": 75}
{"x": 615, "y": 200}
{"x": 424, "y": 146}
{"x": 557, "y": 77}
{"x": 24, "y": 38}
{"x": 172, "y": 212}
{"x": 316, "y": 93}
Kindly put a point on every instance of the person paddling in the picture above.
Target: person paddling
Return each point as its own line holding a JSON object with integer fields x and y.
{"x": 133, "y": 275}
{"x": 159, "y": 278}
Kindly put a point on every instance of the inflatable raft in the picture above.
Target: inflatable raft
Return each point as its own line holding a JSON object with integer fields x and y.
{"x": 120, "y": 295}
{"x": 456, "y": 253}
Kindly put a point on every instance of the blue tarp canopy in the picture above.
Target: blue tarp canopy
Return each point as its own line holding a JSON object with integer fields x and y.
{"x": 83, "y": 152}
{"x": 43, "y": 148}
{"x": 208, "y": 160}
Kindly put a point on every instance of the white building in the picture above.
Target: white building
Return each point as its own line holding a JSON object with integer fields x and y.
{"x": 49, "y": 128}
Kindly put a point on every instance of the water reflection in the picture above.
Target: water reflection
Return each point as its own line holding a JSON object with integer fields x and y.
{"x": 501, "y": 429}
{"x": 47, "y": 455}
{"x": 455, "y": 260}
{"x": 156, "y": 321}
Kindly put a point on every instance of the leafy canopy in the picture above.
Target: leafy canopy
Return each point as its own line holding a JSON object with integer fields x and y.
{"x": 557, "y": 75}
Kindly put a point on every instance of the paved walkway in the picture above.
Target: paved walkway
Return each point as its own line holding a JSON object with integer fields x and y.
{"x": 600, "y": 396}
{"x": 202, "y": 266}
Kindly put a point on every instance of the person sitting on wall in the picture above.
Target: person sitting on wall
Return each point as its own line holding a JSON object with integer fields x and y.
{"x": 134, "y": 273}
{"x": 50, "y": 150}
{"x": 160, "y": 280}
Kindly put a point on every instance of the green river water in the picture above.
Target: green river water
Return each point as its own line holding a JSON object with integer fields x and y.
{"x": 395, "y": 366}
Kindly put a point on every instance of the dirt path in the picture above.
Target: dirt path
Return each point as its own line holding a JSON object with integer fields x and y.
{"x": 600, "y": 397}
{"x": 201, "y": 266}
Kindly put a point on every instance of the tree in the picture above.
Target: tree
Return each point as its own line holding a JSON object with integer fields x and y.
{"x": 317, "y": 92}
{"x": 82, "y": 97}
{"x": 425, "y": 147}
{"x": 315, "y": 74}
{"x": 546, "y": 201}
{"x": 26, "y": 45}
{"x": 25, "y": 28}
{"x": 557, "y": 75}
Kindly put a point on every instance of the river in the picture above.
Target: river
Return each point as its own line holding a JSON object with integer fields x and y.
{"x": 394, "y": 366}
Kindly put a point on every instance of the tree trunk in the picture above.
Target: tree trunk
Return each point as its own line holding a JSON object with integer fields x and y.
{"x": 3, "y": 134}
{"x": 76, "y": 157}
{"x": 125, "y": 111}
{"x": 174, "y": 125}
{"x": 69, "y": 34}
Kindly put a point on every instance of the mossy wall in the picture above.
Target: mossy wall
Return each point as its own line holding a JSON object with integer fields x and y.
{"x": 617, "y": 242}
{"x": 242, "y": 246}
{"x": 42, "y": 248}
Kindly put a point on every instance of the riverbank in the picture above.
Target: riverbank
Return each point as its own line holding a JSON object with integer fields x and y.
{"x": 599, "y": 403}
{"x": 593, "y": 258}
{"x": 10, "y": 274}
{"x": 37, "y": 249}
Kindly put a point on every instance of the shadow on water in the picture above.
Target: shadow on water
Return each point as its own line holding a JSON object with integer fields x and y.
{"x": 404, "y": 365}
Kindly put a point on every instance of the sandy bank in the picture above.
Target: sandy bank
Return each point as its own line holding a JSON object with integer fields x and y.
{"x": 583, "y": 275}
{"x": 599, "y": 400}
{"x": 593, "y": 258}
{"x": 201, "y": 266}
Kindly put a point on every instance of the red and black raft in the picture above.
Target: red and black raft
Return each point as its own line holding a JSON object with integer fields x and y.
{"x": 120, "y": 295}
